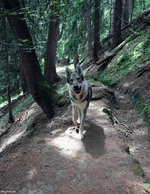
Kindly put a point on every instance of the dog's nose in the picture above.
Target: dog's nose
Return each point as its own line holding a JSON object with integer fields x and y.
{"x": 75, "y": 86}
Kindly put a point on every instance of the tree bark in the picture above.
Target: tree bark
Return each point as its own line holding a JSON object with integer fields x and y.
{"x": 75, "y": 57}
{"x": 112, "y": 16}
{"x": 117, "y": 24}
{"x": 128, "y": 10}
{"x": 50, "y": 63}
{"x": 11, "y": 118}
{"x": 89, "y": 29}
{"x": 22, "y": 76}
{"x": 38, "y": 87}
{"x": 126, "y": 13}
{"x": 96, "y": 29}
{"x": 131, "y": 6}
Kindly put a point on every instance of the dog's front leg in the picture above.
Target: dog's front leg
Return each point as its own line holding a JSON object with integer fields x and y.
{"x": 83, "y": 114}
{"x": 74, "y": 114}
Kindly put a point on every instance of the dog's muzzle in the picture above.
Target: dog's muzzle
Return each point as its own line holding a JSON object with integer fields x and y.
{"x": 76, "y": 89}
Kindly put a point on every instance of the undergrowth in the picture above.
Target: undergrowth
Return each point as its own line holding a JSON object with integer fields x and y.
{"x": 18, "y": 108}
{"x": 142, "y": 106}
{"x": 13, "y": 98}
{"x": 133, "y": 55}
{"x": 137, "y": 169}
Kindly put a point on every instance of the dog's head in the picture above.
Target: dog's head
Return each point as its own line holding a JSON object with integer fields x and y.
{"x": 75, "y": 79}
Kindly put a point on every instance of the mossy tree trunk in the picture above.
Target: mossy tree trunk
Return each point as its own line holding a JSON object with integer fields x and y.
{"x": 38, "y": 87}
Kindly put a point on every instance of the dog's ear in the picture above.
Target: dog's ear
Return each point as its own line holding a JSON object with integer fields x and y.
{"x": 68, "y": 73}
{"x": 79, "y": 71}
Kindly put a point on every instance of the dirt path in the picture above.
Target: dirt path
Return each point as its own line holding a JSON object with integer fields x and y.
{"x": 139, "y": 140}
{"x": 51, "y": 161}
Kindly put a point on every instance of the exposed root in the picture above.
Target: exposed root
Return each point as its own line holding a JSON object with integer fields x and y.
{"x": 113, "y": 120}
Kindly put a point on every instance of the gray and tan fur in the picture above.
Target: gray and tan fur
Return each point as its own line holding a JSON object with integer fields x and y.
{"x": 80, "y": 93}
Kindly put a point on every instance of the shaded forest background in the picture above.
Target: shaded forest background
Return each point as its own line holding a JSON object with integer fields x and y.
{"x": 38, "y": 36}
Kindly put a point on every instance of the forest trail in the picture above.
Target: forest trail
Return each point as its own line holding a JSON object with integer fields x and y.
{"x": 53, "y": 161}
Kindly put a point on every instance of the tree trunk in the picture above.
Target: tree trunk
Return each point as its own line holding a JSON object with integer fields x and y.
{"x": 126, "y": 13}
{"x": 11, "y": 118}
{"x": 50, "y": 66}
{"x": 75, "y": 57}
{"x": 37, "y": 86}
{"x": 128, "y": 10}
{"x": 22, "y": 76}
{"x": 117, "y": 24}
{"x": 131, "y": 6}
{"x": 112, "y": 16}
{"x": 96, "y": 29}
{"x": 89, "y": 30}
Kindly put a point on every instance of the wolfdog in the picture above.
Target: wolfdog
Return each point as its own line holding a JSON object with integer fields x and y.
{"x": 80, "y": 93}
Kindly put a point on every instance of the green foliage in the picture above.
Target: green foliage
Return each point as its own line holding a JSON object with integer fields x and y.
{"x": 4, "y": 103}
{"x": 74, "y": 12}
{"x": 64, "y": 102}
{"x": 142, "y": 106}
{"x": 62, "y": 89}
{"x": 134, "y": 54}
{"x": 18, "y": 108}
{"x": 138, "y": 171}
{"x": 146, "y": 188}
{"x": 30, "y": 125}
{"x": 146, "y": 185}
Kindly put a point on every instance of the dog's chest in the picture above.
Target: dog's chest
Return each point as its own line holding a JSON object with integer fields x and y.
{"x": 81, "y": 105}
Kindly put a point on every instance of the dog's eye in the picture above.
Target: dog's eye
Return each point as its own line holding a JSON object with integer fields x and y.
{"x": 78, "y": 78}
{"x": 71, "y": 80}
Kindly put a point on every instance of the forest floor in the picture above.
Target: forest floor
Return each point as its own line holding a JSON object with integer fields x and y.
{"x": 41, "y": 156}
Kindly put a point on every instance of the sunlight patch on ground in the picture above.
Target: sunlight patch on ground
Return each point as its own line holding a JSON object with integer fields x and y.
{"x": 67, "y": 145}
{"x": 10, "y": 140}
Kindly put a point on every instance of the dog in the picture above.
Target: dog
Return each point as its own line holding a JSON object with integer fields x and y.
{"x": 80, "y": 93}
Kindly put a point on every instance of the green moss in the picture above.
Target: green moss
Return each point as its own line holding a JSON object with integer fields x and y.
{"x": 21, "y": 105}
{"x": 141, "y": 105}
{"x": 127, "y": 149}
{"x": 47, "y": 93}
{"x": 92, "y": 79}
{"x": 138, "y": 171}
{"x": 32, "y": 133}
{"x": 133, "y": 55}
{"x": 30, "y": 125}
{"x": 62, "y": 89}
{"x": 18, "y": 108}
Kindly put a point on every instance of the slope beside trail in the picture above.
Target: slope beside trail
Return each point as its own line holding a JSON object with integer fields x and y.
{"x": 52, "y": 161}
